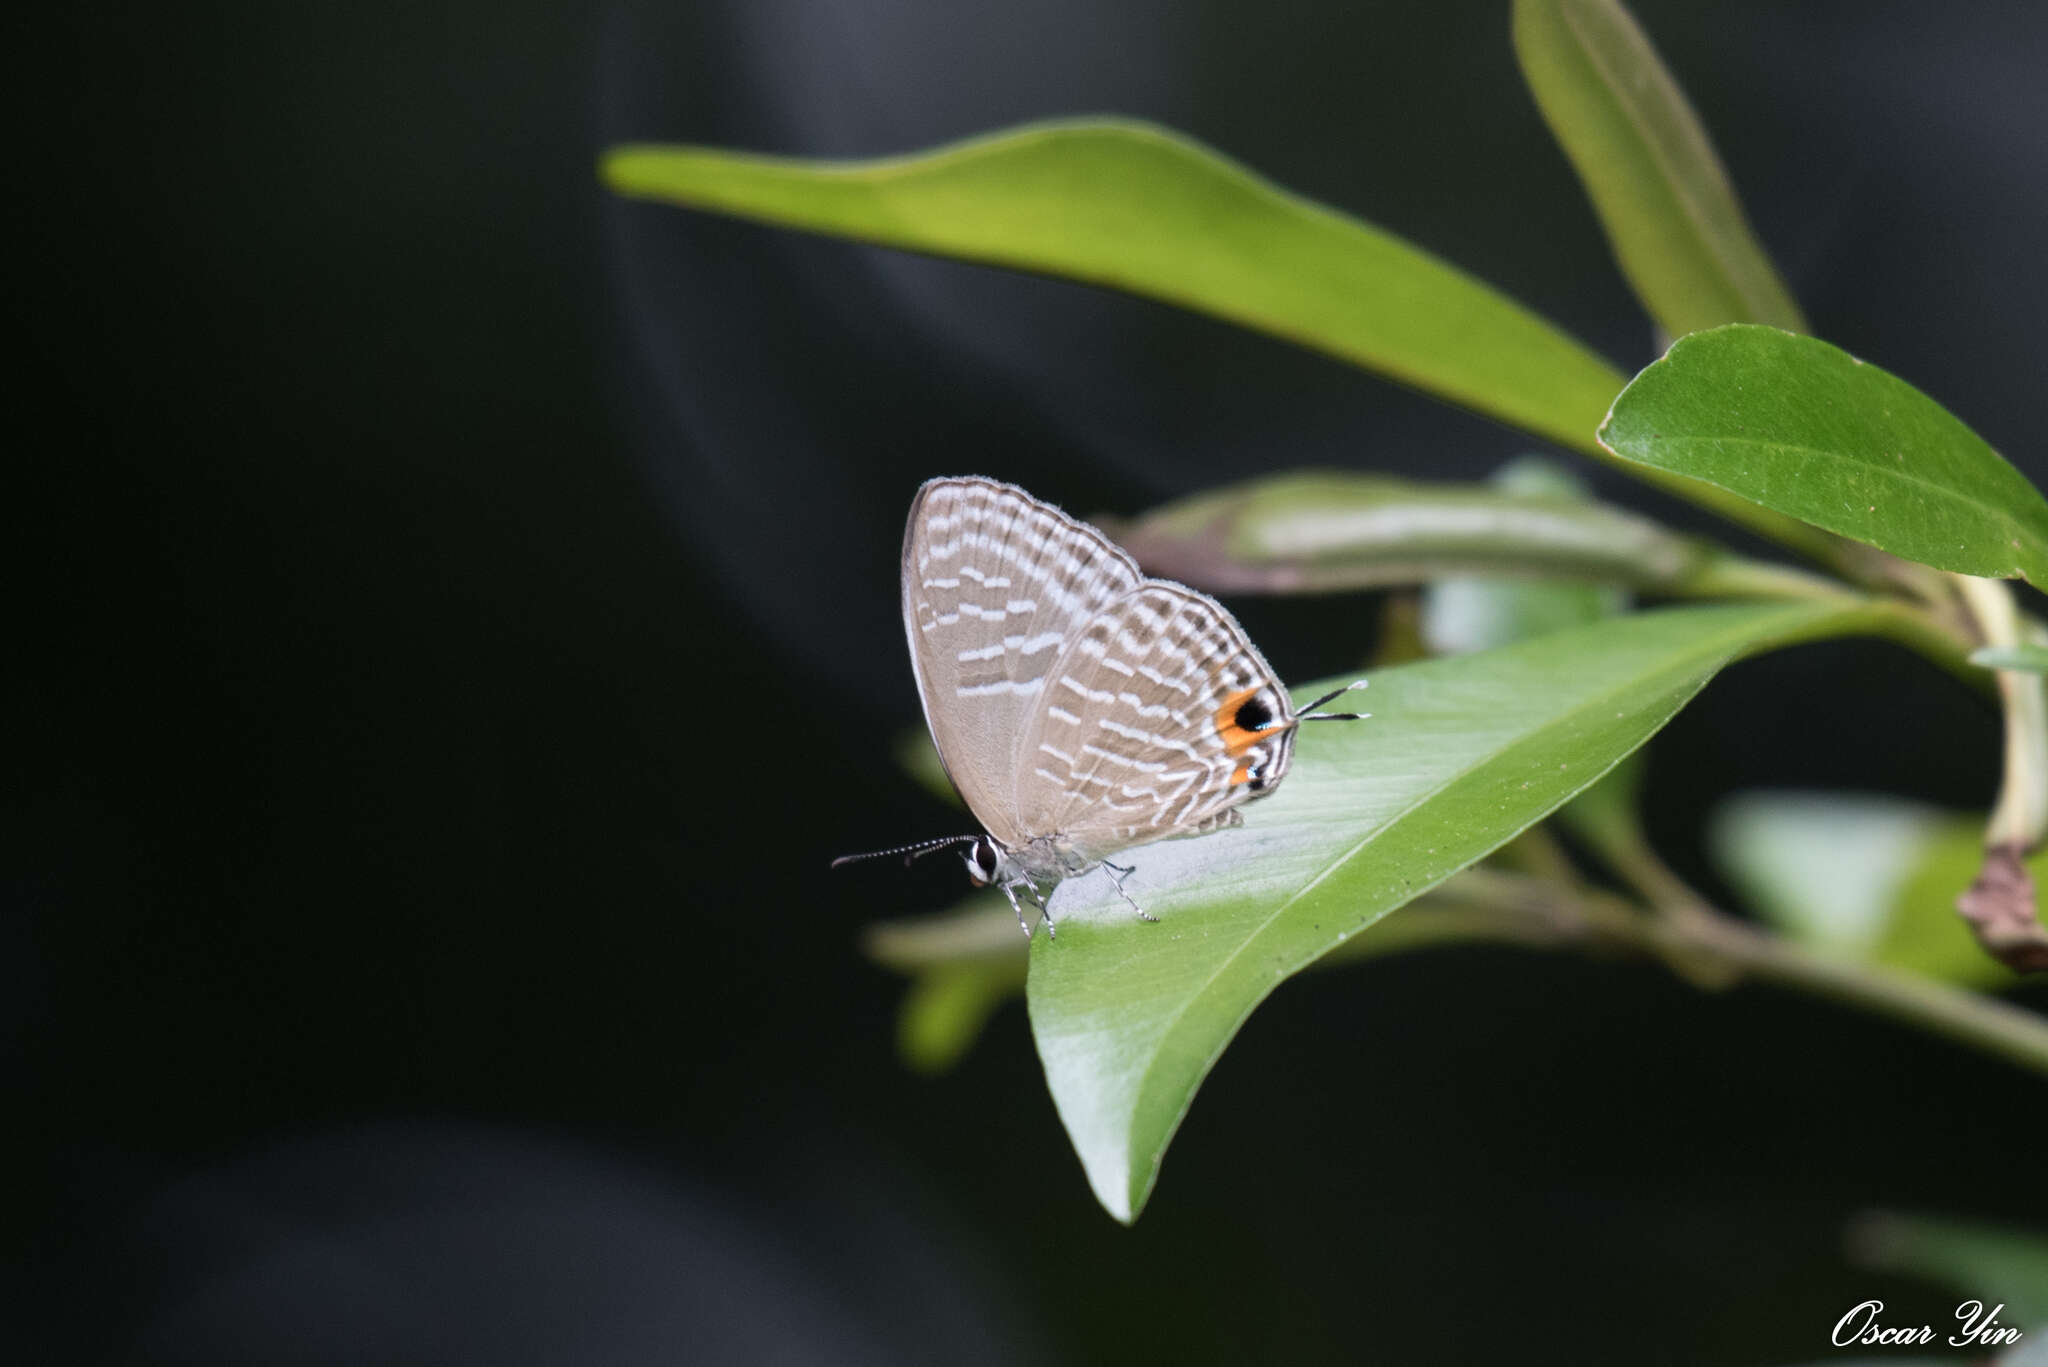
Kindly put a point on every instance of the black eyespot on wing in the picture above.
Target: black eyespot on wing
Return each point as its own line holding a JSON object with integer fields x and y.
{"x": 1257, "y": 783}
{"x": 1253, "y": 714}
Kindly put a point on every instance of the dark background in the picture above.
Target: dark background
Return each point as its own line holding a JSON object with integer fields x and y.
{"x": 456, "y": 624}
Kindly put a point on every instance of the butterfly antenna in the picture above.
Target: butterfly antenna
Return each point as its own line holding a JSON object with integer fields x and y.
{"x": 909, "y": 852}
{"x": 1309, "y": 713}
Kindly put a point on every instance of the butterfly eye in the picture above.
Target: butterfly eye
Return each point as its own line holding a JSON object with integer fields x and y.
{"x": 982, "y": 862}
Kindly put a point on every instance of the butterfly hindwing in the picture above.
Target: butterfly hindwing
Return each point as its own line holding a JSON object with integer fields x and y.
{"x": 1157, "y": 719}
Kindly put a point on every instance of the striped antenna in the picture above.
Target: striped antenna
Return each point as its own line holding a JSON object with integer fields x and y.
{"x": 1309, "y": 713}
{"x": 909, "y": 852}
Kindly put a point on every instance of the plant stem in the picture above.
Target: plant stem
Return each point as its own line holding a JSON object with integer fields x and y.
{"x": 1711, "y": 948}
{"x": 1537, "y": 853}
{"x": 1997, "y": 1027}
{"x": 2021, "y": 814}
{"x": 1916, "y": 625}
{"x": 1906, "y": 624}
{"x": 1733, "y": 576}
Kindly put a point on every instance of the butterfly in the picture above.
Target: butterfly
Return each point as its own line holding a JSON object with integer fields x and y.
{"x": 1079, "y": 707}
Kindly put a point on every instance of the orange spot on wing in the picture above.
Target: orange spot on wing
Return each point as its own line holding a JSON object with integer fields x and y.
{"x": 1243, "y": 774}
{"x": 1236, "y": 740}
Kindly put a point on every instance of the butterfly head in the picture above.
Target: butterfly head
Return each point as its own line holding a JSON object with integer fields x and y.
{"x": 984, "y": 862}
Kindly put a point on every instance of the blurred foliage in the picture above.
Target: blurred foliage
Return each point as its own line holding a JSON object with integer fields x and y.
{"x": 1861, "y": 877}
{"x": 1983, "y": 1262}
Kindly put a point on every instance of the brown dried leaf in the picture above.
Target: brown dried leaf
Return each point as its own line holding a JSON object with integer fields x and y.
{"x": 2000, "y": 908}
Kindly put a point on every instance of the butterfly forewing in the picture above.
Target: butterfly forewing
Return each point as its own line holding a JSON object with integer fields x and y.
{"x": 1158, "y": 717}
{"x": 995, "y": 583}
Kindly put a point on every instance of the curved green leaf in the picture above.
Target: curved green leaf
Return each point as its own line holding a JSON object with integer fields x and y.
{"x": 1321, "y": 532}
{"x": 1135, "y": 207}
{"x": 1661, "y": 192}
{"x": 946, "y": 1008}
{"x": 1804, "y": 428}
{"x": 1461, "y": 754}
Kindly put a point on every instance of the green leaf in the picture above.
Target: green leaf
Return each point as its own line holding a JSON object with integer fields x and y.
{"x": 1983, "y": 1262}
{"x": 1461, "y": 755}
{"x": 1806, "y": 429}
{"x": 1861, "y": 877}
{"x": 946, "y": 1009}
{"x": 2023, "y": 659}
{"x": 1138, "y": 208}
{"x": 1647, "y": 163}
{"x": 1322, "y": 532}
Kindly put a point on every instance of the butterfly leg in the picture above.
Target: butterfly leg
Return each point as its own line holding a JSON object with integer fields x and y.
{"x": 1035, "y": 898}
{"x": 1044, "y": 911}
{"x": 1117, "y": 874}
{"x": 1010, "y": 891}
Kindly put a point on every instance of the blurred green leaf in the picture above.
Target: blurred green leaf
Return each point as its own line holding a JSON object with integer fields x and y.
{"x": 1461, "y": 755}
{"x": 1462, "y": 614}
{"x": 1138, "y": 208}
{"x": 1806, "y": 429}
{"x": 1323, "y": 532}
{"x": 1982, "y": 1262}
{"x": 962, "y": 966}
{"x": 1662, "y": 194}
{"x": 947, "y": 1007}
{"x": 1860, "y": 877}
{"x": 2026, "y": 659}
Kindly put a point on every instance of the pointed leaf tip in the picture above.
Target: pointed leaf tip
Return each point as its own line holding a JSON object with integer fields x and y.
{"x": 1463, "y": 755}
